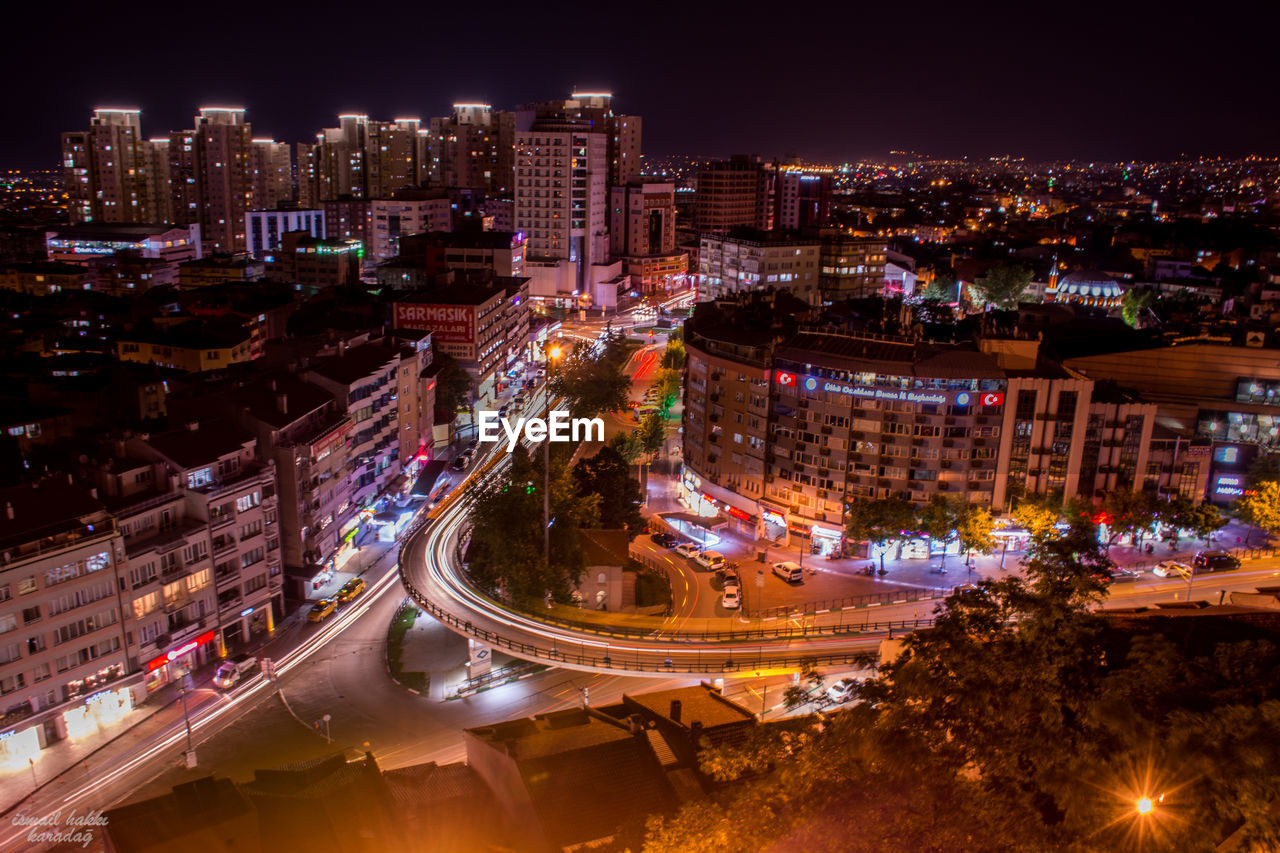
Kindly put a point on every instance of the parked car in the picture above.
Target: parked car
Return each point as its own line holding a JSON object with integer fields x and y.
{"x": 842, "y": 690}
{"x": 712, "y": 560}
{"x": 687, "y": 549}
{"x": 351, "y": 589}
{"x": 322, "y": 610}
{"x": 664, "y": 540}
{"x": 728, "y": 574}
{"x": 1171, "y": 569}
{"x": 731, "y": 597}
{"x": 789, "y": 571}
{"x": 1214, "y": 561}
{"x": 231, "y": 671}
{"x": 461, "y": 463}
{"x": 1119, "y": 575}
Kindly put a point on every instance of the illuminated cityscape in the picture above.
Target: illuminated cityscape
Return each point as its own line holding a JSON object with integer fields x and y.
{"x": 500, "y": 432}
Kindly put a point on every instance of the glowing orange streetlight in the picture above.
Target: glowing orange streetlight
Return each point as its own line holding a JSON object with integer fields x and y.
{"x": 1145, "y": 805}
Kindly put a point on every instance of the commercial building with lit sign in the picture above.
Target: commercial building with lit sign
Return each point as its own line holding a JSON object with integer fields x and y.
{"x": 786, "y": 428}
{"x": 78, "y": 244}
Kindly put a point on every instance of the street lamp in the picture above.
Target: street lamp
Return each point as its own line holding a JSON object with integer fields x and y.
{"x": 553, "y": 354}
{"x": 1144, "y": 805}
{"x": 186, "y": 718}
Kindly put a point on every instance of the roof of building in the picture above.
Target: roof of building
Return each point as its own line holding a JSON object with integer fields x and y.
{"x": 434, "y": 783}
{"x": 281, "y": 398}
{"x": 1090, "y": 283}
{"x": 356, "y": 363}
{"x": 465, "y": 292}
{"x": 45, "y": 268}
{"x": 319, "y": 777}
{"x": 897, "y": 356}
{"x": 700, "y": 704}
{"x": 44, "y": 508}
{"x": 604, "y": 547}
{"x": 191, "y": 808}
{"x": 207, "y": 442}
{"x": 568, "y": 758}
{"x": 466, "y": 239}
{"x": 113, "y": 230}
{"x": 195, "y": 333}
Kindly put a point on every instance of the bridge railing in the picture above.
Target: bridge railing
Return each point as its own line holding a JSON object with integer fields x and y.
{"x": 902, "y": 595}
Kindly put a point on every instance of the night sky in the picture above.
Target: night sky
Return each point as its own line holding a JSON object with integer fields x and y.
{"x": 833, "y": 81}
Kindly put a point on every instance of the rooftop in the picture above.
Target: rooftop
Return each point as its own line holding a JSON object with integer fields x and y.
{"x": 199, "y": 444}
{"x": 356, "y": 363}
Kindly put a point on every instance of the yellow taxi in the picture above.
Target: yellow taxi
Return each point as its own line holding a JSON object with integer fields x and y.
{"x": 351, "y": 589}
{"x": 322, "y": 610}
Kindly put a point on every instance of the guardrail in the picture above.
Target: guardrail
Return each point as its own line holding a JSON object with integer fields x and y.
{"x": 506, "y": 673}
{"x": 1241, "y": 554}
{"x": 895, "y": 596}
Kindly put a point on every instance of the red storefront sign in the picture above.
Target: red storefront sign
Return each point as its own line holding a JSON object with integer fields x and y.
{"x": 992, "y": 398}
{"x": 737, "y": 513}
{"x": 454, "y": 324}
{"x": 786, "y": 379}
{"x": 171, "y": 656}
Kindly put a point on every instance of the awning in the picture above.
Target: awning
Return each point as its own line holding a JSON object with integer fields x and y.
{"x": 427, "y": 479}
{"x": 707, "y": 522}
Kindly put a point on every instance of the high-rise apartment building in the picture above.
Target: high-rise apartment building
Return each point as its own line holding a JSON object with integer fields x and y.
{"x": 852, "y": 267}
{"x": 595, "y": 110}
{"x": 733, "y": 193}
{"x": 271, "y": 167}
{"x": 801, "y": 199}
{"x": 407, "y": 212}
{"x": 108, "y": 170}
{"x": 642, "y": 233}
{"x": 361, "y": 158}
{"x": 561, "y": 203}
{"x": 473, "y": 149}
{"x": 223, "y": 177}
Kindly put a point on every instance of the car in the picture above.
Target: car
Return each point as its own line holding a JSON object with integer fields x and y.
{"x": 728, "y": 575}
{"x": 502, "y": 413}
{"x": 842, "y": 690}
{"x": 686, "y": 549}
{"x": 731, "y": 597}
{"x": 664, "y": 540}
{"x": 1118, "y": 575}
{"x": 712, "y": 560}
{"x": 322, "y": 610}
{"x": 231, "y": 671}
{"x": 1214, "y": 561}
{"x": 1171, "y": 569}
{"x": 461, "y": 463}
{"x": 351, "y": 589}
{"x": 789, "y": 571}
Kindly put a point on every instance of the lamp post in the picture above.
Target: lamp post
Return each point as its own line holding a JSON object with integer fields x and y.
{"x": 186, "y": 718}
{"x": 553, "y": 355}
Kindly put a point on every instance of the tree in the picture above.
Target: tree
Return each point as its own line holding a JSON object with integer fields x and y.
{"x": 973, "y": 529}
{"x": 668, "y": 385}
{"x": 453, "y": 384}
{"x": 628, "y": 446}
{"x": 1262, "y": 507}
{"x": 1127, "y": 512}
{"x": 1035, "y": 517}
{"x": 608, "y": 476}
{"x": 673, "y": 356}
{"x": 941, "y": 289}
{"x": 1203, "y": 520}
{"x": 505, "y": 556}
{"x": 1133, "y": 303}
{"x": 1003, "y": 286}
{"x": 879, "y": 521}
{"x": 593, "y": 382}
{"x": 938, "y": 520}
{"x": 652, "y": 432}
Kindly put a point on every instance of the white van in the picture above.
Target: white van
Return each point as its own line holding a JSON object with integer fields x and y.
{"x": 789, "y": 572}
{"x": 231, "y": 671}
{"x": 712, "y": 560}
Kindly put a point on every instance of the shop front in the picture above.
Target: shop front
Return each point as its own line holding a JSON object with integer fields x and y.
{"x": 181, "y": 659}
{"x": 98, "y": 711}
{"x": 689, "y": 493}
{"x": 20, "y": 747}
{"x": 773, "y": 524}
{"x": 826, "y": 541}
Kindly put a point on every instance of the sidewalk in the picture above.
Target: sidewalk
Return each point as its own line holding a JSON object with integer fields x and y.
{"x": 924, "y": 572}
{"x": 432, "y": 648}
{"x": 69, "y": 759}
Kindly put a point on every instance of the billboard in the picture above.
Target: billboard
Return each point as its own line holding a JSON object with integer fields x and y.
{"x": 453, "y": 324}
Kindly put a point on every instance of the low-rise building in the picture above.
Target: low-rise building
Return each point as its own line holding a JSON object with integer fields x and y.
{"x": 264, "y": 229}
{"x": 745, "y": 259}
{"x": 315, "y": 262}
{"x": 78, "y": 244}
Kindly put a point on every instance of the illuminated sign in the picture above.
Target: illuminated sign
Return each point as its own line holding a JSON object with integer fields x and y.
{"x": 1228, "y": 485}
{"x": 454, "y": 324}
{"x": 737, "y": 513}
{"x": 1227, "y": 454}
{"x": 962, "y": 399}
{"x": 786, "y": 379}
{"x": 171, "y": 656}
{"x": 810, "y": 384}
{"x": 993, "y": 399}
{"x": 246, "y": 611}
{"x": 773, "y": 517}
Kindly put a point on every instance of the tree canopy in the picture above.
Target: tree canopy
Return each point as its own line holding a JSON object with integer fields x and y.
{"x": 607, "y": 475}
{"x": 593, "y": 381}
